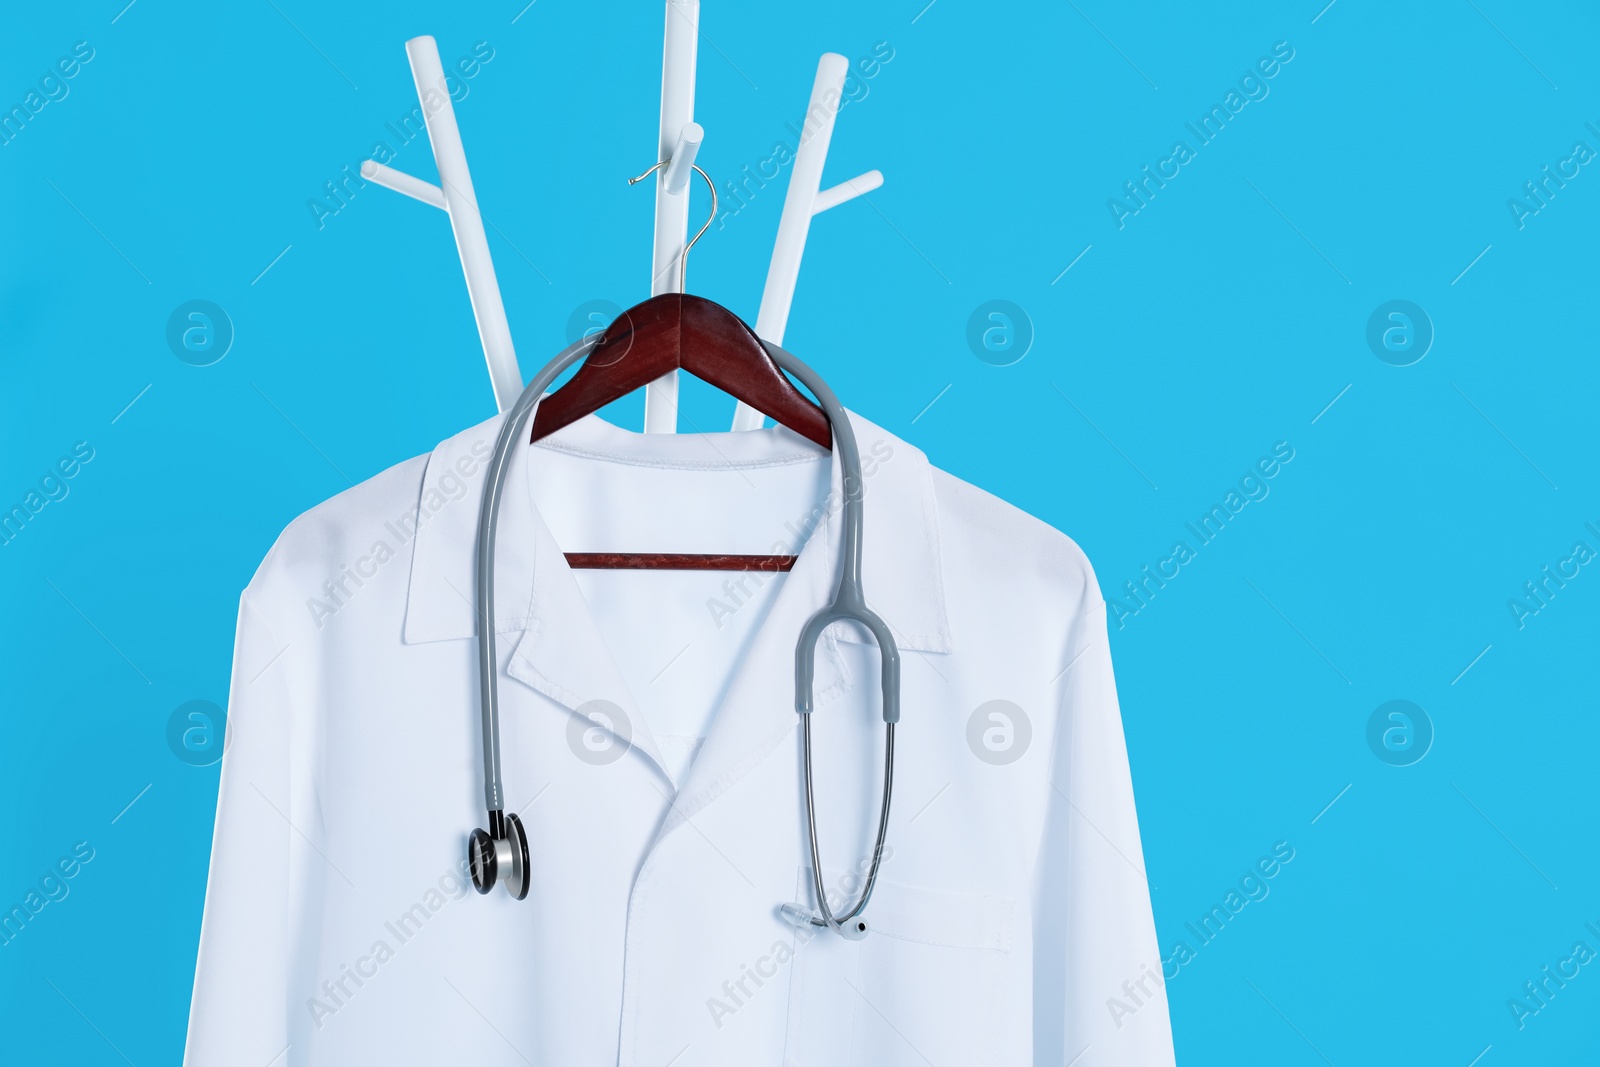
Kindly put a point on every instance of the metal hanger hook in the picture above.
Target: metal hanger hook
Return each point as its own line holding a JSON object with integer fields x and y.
{"x": 683, "y": 260}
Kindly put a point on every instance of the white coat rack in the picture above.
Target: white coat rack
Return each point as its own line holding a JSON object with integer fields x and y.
{"x": 805, "y": 200}
{"x": 679, "y": 141}
{"x": 454, "y": 194}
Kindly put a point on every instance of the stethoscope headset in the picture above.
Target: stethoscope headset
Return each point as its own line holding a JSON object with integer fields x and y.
{"x": 499, "y": 855}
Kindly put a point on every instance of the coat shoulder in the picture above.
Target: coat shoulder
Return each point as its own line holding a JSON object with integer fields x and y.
{"x": 1010, "y": 548}
{"x": 335, "y": 534}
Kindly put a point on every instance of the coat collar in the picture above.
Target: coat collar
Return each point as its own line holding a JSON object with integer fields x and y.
{"x": 561, "y": 654}
{"x": 901, "y": 557}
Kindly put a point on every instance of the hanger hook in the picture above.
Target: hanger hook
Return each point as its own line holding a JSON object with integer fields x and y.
{"x": 683, "y": 260}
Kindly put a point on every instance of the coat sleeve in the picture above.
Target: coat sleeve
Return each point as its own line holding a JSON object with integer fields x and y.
{"x": 1100, "y": 999}
{"x": 238, "y": 1012}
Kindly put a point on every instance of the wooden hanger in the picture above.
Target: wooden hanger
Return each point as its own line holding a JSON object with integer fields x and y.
{"x": 671, "y": 332}
{"x": 677, "y": 331}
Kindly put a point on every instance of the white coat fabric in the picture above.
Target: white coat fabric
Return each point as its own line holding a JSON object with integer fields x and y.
{"x": 650, "y": 745}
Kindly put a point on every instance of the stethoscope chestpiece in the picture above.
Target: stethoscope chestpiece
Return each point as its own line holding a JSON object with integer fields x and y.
{"x": 492, "y": 859}
{"x": 481, "y": 860}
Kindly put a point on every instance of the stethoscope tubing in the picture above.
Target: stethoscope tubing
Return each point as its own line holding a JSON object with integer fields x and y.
{"x": 488, "y": 514}
{"x": 848, "y": 604}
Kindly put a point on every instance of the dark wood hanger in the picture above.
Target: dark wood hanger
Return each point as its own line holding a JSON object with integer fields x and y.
{"x": 678, "y": 331}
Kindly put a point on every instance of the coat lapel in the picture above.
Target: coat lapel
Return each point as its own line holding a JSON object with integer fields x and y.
{"x": 562, "y": 653}
{"x": 555, "y": 647}
{"x": 558, "y": 651}
{"x": 903, "y": 581}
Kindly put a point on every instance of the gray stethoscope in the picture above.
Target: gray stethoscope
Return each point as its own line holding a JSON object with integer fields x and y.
{"x": 501, "y": 852}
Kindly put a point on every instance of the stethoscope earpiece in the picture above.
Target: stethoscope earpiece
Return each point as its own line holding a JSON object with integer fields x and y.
{"x": 801, "y": 917}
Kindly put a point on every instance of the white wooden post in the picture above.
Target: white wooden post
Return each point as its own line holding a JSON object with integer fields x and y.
{"x": 454, "y": 195}
{"x": 678, "y": 56}
{"x": 804, "y": 200}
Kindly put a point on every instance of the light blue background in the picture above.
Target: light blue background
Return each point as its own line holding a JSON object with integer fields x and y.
{"x": 1223, "y": 318}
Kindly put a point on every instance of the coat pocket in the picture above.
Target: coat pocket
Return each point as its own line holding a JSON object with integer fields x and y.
{"x": 924, "y": 986}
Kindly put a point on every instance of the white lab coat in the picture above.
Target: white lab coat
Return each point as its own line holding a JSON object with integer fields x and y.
{"x": 1011, "y": 922}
